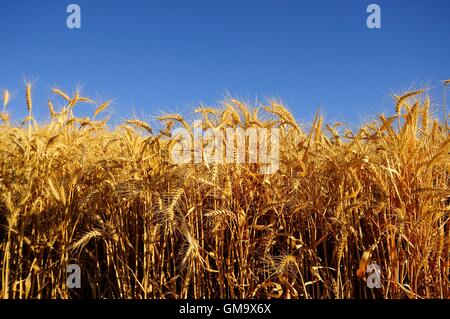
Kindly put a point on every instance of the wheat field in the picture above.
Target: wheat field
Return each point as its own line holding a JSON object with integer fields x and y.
{"x": 109, "y": 199}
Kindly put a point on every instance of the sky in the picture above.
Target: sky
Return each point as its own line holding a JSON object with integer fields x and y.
{"x": 170, "y": 56}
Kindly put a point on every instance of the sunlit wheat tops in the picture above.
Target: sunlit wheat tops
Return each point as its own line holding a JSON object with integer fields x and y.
{"x": 74, "y": 100}
{"x": 102, "y": 107}
{"x": 77, "y": 191}
{"x": 51, "y": 108}
{"x": 403, "y": 98}
{"x": 62, "y": 94}
{"x": 142, "y": 125}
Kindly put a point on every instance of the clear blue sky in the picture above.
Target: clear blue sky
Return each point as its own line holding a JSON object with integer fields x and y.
{"x": 154, "y": 56}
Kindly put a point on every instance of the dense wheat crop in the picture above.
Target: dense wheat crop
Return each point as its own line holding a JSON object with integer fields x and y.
{"x": 75, "y": 191}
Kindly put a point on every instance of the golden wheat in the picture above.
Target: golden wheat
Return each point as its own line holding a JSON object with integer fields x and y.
{"x": 28, "y": 97}
{"x": 75, "y": 191}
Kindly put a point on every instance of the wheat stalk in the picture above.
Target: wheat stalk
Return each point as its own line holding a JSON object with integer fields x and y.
{"x": 28, "y": 97}
{"x": 141, "y": 124}
{"x": 6, "y": 97}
